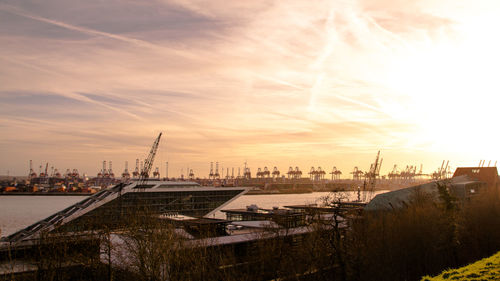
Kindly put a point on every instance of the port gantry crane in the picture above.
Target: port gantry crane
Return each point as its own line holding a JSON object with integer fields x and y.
{"x": 156, "y": 173}
{"x": 276, "y": 172}
{"x": 441, "y": 173}
{"x": 126, "y": 174}
{"x": 259, "y": 173}
{"x": 420, "y": 173}
{"x": 316, "y": 175}
{"x": 32, "y": 173}
{"x": 45, "y": 174}
{"x": 290, "y": 172}
{"x": 356, "y": 174}
{"x": 335, "y": 173}
{"x": 216, "y": 174}
{"x": 211, "y": 173}
{"x": 136, "y": 172}
{"x": 394, "y": 174}
{"x": 247, "y": 174}
{"x": 312, "y": 173}
{"x": 266, "y": 173}
{"x": 409, "y": 173}
{"x": 294, "y": 174}
{"x": 105, "y": 172}
{"x": 110, "y": 170}
{"x": 481, "y": 163}
{"x": 263, "y": 173}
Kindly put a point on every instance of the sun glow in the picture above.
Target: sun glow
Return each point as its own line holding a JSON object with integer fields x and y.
{"x": 452, "y": 88}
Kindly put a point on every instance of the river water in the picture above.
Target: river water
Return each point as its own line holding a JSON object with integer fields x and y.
{"x": 17, "y": 212}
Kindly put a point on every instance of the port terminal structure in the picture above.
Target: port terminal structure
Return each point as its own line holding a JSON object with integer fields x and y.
{"x": 111, "y": 207}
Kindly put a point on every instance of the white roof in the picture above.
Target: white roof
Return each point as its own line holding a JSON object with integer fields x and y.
{"x": 256, "y": 224}
{"x": 239, "y": 238}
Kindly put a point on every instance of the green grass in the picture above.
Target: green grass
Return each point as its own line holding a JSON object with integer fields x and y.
{"x": 485, "y": 269}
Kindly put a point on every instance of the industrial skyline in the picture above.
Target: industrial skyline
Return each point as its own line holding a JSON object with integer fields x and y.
{"x": 281, "y": 84}
{"x": 217, "y": 170}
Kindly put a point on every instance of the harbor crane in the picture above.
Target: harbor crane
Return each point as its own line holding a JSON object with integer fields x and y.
{"x": 316, "y": 174}
{"x": 216, "y": 174}
{"x": 110, "y": 170}
{"x": 32, "y": 173}
{"x": 335, "y": 173}
{"x": 276, "y": 172}
{"x": 105, "y": 172}
{"x": 394, "y": 174}
{"x": 126, "y": 174}
{"x": 156, "y": 173}
{"x": 149, "y": 161}
{"x": 442, "y": 172}
{"x": 312, "y": 173}
{"x": 247, "y": 174}
{"x": 266, "y": 173}
{"x": 374, "y": 172}
{"x": 136, "y": 172}
{"x": 263, "y": 173}
{"x": 211, "y": 173}
{"x": 371, "y": 177}
{"x": 356, "y": 173}
{"x": 294, "y": 174}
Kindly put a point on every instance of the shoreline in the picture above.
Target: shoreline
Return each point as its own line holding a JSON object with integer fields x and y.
{"x": 44, "y": 194}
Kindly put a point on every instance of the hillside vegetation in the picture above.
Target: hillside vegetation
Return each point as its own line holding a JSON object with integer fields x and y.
{"x": 485, "y": 269}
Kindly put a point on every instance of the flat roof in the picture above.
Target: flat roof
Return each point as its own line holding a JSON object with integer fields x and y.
{"x": 256, "y": 224}
{"x": 247, "y": 237}
{"x": 260, "y": 211}
{"x": 193, "y": 220}
{"x": 343, "y": 207}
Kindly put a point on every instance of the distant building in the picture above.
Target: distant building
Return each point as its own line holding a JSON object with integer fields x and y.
{"x": 111, "y": 208}
{"x": 464, "y": 185}
{"x": 488, "y": 175}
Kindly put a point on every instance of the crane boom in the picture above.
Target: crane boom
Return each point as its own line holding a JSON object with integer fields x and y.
{"x": 372, "y": 177}
{"x": 379, "y": 165}
{"x": 149, "y": 161}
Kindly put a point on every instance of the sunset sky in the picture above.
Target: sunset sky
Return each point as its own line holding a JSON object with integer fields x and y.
{"x": 273, "y": 83}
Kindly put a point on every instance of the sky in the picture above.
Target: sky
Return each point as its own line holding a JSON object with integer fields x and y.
{"x": 269, "y": 83}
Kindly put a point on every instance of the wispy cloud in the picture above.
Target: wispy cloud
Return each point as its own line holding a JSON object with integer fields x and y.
{"x": 134, "y": 41}
{"x": 283, "y": 81}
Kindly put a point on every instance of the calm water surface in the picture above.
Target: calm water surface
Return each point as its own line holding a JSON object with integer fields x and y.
{"x": 17, "y": 212}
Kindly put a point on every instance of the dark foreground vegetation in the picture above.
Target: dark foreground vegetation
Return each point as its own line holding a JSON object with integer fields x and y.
{"x": 426, "y": 237}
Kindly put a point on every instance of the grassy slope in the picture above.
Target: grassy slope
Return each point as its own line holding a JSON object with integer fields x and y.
{"x": 485, "y": 269}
